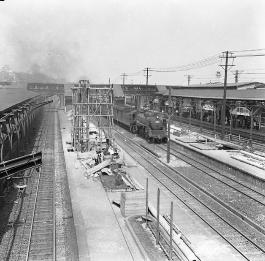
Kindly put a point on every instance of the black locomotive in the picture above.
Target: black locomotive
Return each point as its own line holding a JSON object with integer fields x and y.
{"x": 145, "y": 123}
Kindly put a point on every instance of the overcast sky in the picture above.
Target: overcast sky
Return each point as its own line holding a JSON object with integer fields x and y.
{"x": 101, "y": 39}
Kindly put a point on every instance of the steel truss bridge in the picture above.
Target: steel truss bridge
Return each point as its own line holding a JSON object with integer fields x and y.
{"x": 15, "y": 123}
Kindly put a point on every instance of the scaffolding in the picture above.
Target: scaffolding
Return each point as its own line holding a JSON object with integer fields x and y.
{"x": 92, "y": 104}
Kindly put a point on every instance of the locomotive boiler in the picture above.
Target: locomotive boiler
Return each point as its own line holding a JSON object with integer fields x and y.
{"x": 145, "y": 123}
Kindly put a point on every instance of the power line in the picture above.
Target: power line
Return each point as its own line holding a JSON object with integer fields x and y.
{"x": 198, "y": 65}
{"x": 250, "y": 55}
{"x": 189, "y": 78}
{"x": 124, "y": 75}
{"x": 227, "y": 55}
{"x": 203, "y": 62}
{"x": 153, "y": 70}
{"x": 147, "y": 70}
{"x": 249, "y": 50}
{"x": 135, "y": 73}
{"x": 188, "y": 67}
{"x": 252, "y": 73}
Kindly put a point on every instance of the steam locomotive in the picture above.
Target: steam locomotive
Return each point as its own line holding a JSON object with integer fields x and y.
{"x": 145, "y": 123}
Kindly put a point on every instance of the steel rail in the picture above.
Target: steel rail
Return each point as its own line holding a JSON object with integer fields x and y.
{"x": 209, "y": 170}
{"x": 35, "y": 198}
{"x": 38, "y": 193}
{"x": 151, "y": 162}
{"x": 32, "y": 219}
{"x": 19, "y": 209}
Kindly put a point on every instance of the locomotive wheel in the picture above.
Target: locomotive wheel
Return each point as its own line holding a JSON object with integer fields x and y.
{"x": 164, "y": 140}
{"x": 150, "y": 140}
{"x": 133, "y": 129}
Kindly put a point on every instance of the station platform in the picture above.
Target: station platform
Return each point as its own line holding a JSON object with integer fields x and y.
{"x": 226, "y": 157}
{"x": 102, "y": 234}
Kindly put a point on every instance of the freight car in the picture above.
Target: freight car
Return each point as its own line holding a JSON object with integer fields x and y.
{"x": 145, "y": 123}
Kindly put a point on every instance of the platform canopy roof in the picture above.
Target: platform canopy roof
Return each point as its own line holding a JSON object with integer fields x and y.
{"x": 217, "y": 94}
{"x": 235, "y": 91}
{"x": 220, "y": 85}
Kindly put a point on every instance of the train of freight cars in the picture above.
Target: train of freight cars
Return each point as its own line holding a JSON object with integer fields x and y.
{"x": 145, "y": 123}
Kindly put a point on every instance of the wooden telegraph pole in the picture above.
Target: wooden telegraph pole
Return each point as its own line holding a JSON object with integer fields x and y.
{"x": 168, "y": 123}
{"x": 227, "y": 55}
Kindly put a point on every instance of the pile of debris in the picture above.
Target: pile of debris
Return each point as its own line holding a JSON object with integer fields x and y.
{"x": 108, "y": 165}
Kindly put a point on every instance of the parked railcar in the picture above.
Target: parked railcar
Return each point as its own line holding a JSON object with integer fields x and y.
{"x": 145, "y": 123}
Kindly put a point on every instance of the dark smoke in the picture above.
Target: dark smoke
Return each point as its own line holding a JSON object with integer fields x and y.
{"x": 44, "y": 49}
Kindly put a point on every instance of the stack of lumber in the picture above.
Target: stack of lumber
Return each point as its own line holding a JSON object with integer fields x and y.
{"x": 132, "y": 203}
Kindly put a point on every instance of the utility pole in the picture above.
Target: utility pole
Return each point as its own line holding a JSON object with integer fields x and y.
{"x": 124, "y": 75}
{"x": 236, "y": 76}
{"x": 147, "y": 70}
{"x": 189, "y": 78}
{"x": 237, "y": 72}
{"x": 227, "y": 55}
{"x": 168, "y": 123}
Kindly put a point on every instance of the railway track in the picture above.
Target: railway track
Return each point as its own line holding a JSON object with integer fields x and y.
{"x": 33, "y": 231}
{"x": 245, "y": 237}
{"x": 42, "y": 237}
{"x": 223, "y": 176}
{"x": 238, "y": 136}
{"x": 238, "y": 193}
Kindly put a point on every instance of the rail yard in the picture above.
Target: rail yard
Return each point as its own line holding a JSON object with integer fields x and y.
{"x": 120, "y": 180}
{"x": 132, "y": 130}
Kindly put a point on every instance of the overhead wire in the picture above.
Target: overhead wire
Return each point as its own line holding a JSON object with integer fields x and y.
{"x": 135, "y": 73}
{"x": 250, "y": 55}
{"x": 251, "y": 73}
{"x": 249, "y": 50}
{"x": 200, "y": 63}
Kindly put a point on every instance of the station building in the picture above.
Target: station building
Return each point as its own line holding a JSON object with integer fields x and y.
{"x": 202, "y": 102}
{"x": 244, "y": 101}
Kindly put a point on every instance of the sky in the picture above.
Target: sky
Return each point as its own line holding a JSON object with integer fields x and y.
{"x": 101, "y": 39}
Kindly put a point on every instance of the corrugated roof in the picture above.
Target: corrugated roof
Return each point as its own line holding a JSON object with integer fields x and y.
{"x": 248, "y": 94}
{"x": 199, "y": 91}
{"x": 220, "y": 85}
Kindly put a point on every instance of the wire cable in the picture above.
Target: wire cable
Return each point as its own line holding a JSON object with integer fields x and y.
{"x": 249, "y": 50}
{"x": 200, "y": 63}
{"x": 250, "y": 55}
